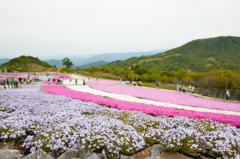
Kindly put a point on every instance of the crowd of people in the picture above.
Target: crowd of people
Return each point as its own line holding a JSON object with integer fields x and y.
{"x": 185, "y": 89}
{"x": 132, "y": 83}
{"x": 55, "y": 80}
{"x": 15, "y": 82}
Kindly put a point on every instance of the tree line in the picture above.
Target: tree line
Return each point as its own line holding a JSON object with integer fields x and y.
{"x": 221, "y": 79}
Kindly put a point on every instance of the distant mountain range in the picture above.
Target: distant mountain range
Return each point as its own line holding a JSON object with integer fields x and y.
{"x": 199, "y": 56}
{"x": 118, "y": 56}
{"x": 97, "y": 64}
{"x": 57, "y": 63}
{"x": 84, "y": 61}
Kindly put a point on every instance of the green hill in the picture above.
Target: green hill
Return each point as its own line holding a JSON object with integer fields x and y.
{"x": 97, "y": 64}
{"x": 25, "y": 63}
{"x": 198, "y": 55}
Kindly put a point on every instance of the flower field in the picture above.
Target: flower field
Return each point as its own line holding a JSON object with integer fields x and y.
{"x": 169, "y": 97}
{"x": 233, "y": 120}
{"x": 55, "y": 122}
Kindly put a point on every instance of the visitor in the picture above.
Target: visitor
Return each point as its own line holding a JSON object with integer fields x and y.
{"x": 7, "y": 80}
{"x": 157, "y": 84}
{"x": 177, "y": 87}
{"x": 76, "y": 81}
{"x": 12, "y": 82}
{"x": 183, "y": 89}
{"x": 189, "y": 88}
{"x": 227, "y": 94}
{"x": 48, "y": 80}
{"x": 4, "y": 83}
{"x": 134, "y": 83}
{"x": 83, "y": 81}
{"x": 193, "y": 89}
{"x": 140, "y": 83}
{"x": 16, "y": 81}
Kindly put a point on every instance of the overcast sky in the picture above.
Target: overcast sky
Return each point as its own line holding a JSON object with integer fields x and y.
{"x": 78, "y": 27}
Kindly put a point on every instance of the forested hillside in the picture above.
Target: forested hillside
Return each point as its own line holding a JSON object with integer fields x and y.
{"x": 199, "y": 56}
{"x": 24, "y": 63}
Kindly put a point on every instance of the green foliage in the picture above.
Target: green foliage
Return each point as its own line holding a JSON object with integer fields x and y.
{"x": 221, "y": 79}
{"x": 154, "y": 77}
{"x": 67, "y": 62}
{"x": 21, "y": 63}
{"x": 199, "y": 56}
{"x": 92, "y": 70}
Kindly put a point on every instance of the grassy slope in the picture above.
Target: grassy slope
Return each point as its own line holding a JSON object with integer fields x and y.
{"x": 198, "y": 55}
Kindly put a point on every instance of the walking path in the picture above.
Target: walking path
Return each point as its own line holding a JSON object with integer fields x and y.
{"x": 85, "y": 88}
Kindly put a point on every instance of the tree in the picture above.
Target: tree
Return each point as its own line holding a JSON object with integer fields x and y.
{"x": 67, "y": 62}
{"x": 154, "y": 77}
{"x": 92, "y": 70}
{"x": 131, "y": 75}
{"x": 145, "y": 77}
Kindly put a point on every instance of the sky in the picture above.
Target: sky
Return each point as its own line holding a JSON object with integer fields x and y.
{"x": 85, "y": 27}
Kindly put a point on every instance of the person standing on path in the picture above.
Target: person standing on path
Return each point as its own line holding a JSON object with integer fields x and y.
{"x": 193, "y": 89}
{"x": 157, "y": 84}
{"x": 227, "y": 94}
{"x": 76, "y": 81}
{"x": 140, "y": 83}
{"x": 189, "y": 88}
{"x": 8, "y": 83}
{"x": 183, "y": 89}
{"x": 48, "y": 80}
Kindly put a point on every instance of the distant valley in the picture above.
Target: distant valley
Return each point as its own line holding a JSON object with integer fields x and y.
{"x": 87, "y": 61}
{"x": 84, "y": 61}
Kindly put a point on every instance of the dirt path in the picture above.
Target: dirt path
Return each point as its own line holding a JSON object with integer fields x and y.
{"x": 48, "y": 70}
{"x": 58, "y": 70}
